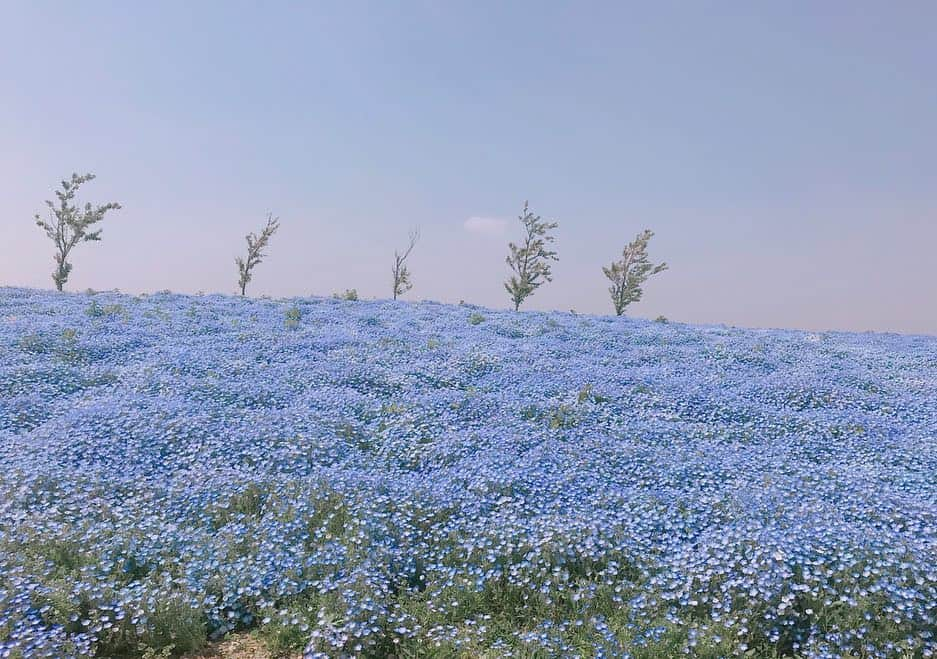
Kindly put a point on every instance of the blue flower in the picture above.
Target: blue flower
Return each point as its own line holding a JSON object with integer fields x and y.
{"x": 615, "y": 480}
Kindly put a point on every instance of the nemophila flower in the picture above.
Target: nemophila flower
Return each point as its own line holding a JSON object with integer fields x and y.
{"x": 387, "y": 476}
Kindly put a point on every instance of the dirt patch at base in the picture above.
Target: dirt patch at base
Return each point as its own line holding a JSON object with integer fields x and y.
{"x": 241, "y": 646}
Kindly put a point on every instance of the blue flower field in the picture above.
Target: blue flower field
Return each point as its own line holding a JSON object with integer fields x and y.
{"x": 387, "y": 479}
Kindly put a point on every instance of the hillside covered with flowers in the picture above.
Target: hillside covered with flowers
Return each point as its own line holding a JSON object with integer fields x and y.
{"x": 386, "y": 479}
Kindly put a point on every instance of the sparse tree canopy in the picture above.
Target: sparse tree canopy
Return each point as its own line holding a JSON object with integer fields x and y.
{"x": 630, "y": 272}
{"x": 530, "y": 261}
{"x": 401, "y": 273}
{"x": 69, "y": 225}
{"x": 255, "y": 247}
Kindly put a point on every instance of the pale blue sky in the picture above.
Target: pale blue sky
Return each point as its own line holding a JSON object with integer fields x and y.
{"x": 785, "y": 153}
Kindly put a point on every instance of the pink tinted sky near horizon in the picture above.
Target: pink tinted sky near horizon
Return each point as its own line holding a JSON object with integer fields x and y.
{"x": 785, "y": 156}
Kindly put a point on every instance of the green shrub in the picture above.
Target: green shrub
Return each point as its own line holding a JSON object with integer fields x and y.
{"x": 173, "y": 628}
{"x": 293, "y": 316}
{"x": 114, "y": 310}
{"x": 563, "y": 416}
{"x": 95, "y": 310}
{"x": 587, "y": 393}
{"x": 286, "y": 632}
{"x": 35, "y": 343}
{"x": 350, "y": 294}
{"x": 476, "y": 318}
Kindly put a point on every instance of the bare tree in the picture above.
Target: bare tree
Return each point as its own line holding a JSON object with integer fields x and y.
{"x": 530, "y": 262}
{"x": 255, "y": 246}
{"x": 401, "y": 273}
{"x": 630, "y": 272}
{"x": 69, "y": 225}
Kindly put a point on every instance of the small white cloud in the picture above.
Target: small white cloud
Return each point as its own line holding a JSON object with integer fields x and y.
{"x": 489, "y": 226}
